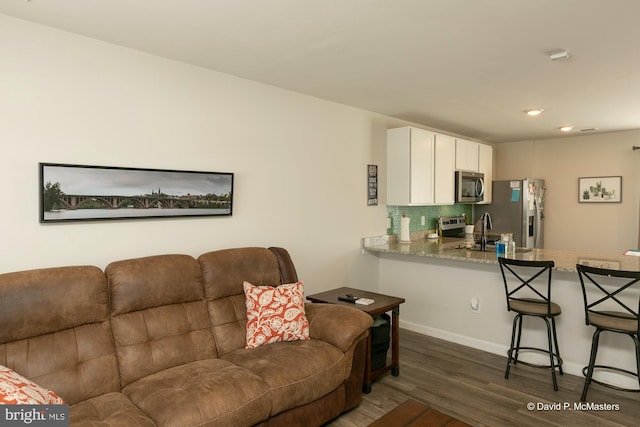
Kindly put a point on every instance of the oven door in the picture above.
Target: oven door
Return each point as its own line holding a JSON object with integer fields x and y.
{"x": 469, "y": 187}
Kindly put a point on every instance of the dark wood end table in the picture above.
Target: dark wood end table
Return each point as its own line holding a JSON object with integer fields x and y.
{"x": 382, "y": 304}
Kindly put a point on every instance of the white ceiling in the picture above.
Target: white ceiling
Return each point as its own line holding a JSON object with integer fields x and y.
{"x": 469, "y": 67}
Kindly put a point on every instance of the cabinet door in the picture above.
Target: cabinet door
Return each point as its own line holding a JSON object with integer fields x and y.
{"x": 409, "y": 166}
{"x": 444, "y": 174}
{"x": 421, "y": 167}
{"x": 466, "y": 155}
{"x": 398, "y": 168}
{"x": 485, "y": 165}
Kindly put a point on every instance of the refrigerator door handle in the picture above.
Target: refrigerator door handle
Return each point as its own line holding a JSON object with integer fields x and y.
{"x": 536, "y": 216}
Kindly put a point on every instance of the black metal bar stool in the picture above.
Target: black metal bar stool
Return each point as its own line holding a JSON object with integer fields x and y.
{"x": 606, "y": 294}
{"x": 527, "y": 299}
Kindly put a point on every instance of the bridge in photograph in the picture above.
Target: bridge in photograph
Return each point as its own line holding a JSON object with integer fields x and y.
{"x": 73, "y": 201}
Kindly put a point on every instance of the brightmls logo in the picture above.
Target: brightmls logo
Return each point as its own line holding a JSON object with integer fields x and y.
{"x": 36, "y": 415}
{"x": 26, "y": 417}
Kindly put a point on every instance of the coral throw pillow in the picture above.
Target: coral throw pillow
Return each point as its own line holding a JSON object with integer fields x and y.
{"x": 17, "y": 390}
{"x": 275, "y": 314}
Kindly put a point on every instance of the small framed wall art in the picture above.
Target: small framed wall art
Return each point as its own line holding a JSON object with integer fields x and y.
{"x": 82, "y": 193}
{"x": 600, "y": 189}
{"x": 372, "y": 185}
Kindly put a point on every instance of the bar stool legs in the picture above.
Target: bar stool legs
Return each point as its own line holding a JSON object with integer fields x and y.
{"x": 587, "y": 371}
{"x": 527, "y": 286}
{"x": 516, "y": 321}
{"x": 555, "y": 361}
{"x": 607, "y": 296}
{"x": 592, "y": 362}
{"x": 555, "y": 341}
{"x": 551, "y": 333}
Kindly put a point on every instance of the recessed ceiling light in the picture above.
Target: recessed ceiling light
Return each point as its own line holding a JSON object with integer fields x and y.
{"x": 588, "y": 129}
{"x": 566, "y": 128}
{"x": 534, "y": 112}
{"x": 554, "y": 55}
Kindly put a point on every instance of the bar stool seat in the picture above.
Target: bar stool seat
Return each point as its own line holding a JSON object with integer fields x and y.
{"x": 534, "y": 307}
{"x": 606, "y": 294}
{"x": 527, "y": 298}
{"x": 614, "y": 320}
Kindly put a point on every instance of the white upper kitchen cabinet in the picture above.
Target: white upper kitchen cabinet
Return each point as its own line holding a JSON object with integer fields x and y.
{"x": 466, "y": 155}
{"x": 410, "y": 166}
{"x": 444, "y": 173}
{"x": 485, "y": 166}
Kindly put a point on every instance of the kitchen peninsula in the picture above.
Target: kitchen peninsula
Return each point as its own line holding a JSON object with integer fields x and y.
{"x": 453, "y": 249}
{"x": 458, "y": 295}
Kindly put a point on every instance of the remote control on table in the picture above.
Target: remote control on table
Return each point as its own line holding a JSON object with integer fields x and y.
{"x": 348, "y": 298}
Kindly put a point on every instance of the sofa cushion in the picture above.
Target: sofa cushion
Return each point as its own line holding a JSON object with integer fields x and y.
{"x": 223, "y": 275}
{"x": 48, "y": 289}
{"x": 18, "y": 390}
{"x": 108, "y": 409}
{"x": 210, "y": 391}
{"x": 275, "y": 314}
{"x": 56, "y": 331}
{"x": 338, "y": 325}
{"x": 159, "y": 317}
{"x": 154, "y": 281}
{"x": 77, "y": 363}
{"x": 298, "y": 372}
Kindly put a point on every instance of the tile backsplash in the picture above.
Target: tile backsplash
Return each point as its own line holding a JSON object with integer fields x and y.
{"x": 431, "y": 214}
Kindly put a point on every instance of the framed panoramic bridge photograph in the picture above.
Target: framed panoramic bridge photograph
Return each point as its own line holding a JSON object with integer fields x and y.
{"x": 85, "y": 193}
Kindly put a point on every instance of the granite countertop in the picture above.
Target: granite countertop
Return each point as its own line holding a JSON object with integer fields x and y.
{"x": 453, "y": 249}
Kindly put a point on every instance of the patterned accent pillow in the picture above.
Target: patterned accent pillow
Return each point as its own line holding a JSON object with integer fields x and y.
{"x": 17, "y": 390}
{"x": 275, "y": 314}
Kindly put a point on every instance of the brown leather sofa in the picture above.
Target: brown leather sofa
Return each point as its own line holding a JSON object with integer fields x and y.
{"x": 159, "y": 341}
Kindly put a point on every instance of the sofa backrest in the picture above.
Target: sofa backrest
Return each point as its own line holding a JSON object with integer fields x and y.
{"x": 55, "y": 330}
{"x": 223, "y": 274}
{"x": 158, "y": 314}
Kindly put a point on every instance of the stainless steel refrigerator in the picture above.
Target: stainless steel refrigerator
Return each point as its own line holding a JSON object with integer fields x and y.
{"x": 517, "y": 207}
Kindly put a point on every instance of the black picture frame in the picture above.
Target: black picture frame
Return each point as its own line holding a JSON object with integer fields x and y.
{"x": 600, "y": 189}
{"x": 100, "y": 193}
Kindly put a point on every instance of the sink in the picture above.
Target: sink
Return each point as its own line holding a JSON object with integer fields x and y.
{"x": 477, "y": 249}
{"x": 492, "y": 248}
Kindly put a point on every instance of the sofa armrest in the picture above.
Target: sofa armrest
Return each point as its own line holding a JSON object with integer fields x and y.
{"x": 337, "y": 324}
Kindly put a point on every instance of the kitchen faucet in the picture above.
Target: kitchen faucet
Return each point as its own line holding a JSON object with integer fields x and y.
{"x": 486, "y": 225}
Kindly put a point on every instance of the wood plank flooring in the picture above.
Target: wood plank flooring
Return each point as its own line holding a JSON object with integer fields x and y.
{"x": 469, "y": 384}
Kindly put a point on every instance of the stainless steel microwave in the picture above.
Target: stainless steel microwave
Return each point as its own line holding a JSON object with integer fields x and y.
{"x": 469, "y": 187}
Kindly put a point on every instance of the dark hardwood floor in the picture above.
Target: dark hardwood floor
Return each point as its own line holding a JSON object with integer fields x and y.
{"x": 469, "y": 384}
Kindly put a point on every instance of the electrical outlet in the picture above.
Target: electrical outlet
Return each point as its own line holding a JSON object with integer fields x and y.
{"x": 475, "y": 304}
{"x": 422, "y": 220}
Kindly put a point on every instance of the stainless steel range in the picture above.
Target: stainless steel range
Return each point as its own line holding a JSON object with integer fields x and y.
{"x": 452, "y": 226}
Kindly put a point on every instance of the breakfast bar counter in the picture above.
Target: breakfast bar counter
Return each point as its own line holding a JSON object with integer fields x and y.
{"x": 457, "y": 294}
{"x": 454, "y": 249}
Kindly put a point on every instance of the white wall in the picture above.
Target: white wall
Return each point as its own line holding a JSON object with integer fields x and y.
{"x": 299, "y": 162}
{"x": 599, "y": 228}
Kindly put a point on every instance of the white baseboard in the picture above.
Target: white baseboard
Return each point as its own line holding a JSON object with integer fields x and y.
{"x": 501, "y": 350}
{"x": 456, "y": 338}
